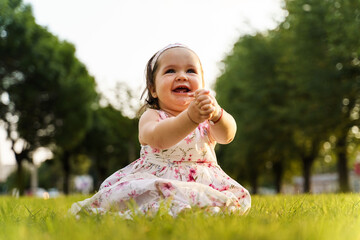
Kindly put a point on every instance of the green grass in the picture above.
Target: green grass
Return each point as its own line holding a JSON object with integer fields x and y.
{"x": 271, "y": 217}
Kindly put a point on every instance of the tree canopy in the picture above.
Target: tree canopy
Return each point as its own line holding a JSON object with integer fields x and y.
{"x": 293, "y": 88}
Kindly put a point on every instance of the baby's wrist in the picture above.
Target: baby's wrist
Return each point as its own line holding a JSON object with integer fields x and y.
{"x": 190, "y": 118}
{"x": 217, "y": 117}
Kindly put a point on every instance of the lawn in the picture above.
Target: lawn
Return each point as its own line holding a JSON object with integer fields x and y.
{"x": 271, "y": 217}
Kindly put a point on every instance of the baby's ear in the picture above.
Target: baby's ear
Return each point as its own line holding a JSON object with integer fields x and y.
{"x": 153, "y": 93}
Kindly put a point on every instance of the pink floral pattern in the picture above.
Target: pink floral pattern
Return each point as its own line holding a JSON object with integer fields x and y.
{"x": 186, "y": 175}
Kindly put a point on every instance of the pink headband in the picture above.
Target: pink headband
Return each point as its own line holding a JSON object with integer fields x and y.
{"x": 157, "y": 55}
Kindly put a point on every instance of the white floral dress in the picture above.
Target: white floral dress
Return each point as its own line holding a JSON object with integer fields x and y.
{"x": 184, "y": 176}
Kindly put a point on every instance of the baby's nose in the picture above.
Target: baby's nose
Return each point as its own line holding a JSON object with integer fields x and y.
{"x": 181, "y": 76}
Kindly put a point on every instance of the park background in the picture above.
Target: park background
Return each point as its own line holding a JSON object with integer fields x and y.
{"x": 292, "y": 85}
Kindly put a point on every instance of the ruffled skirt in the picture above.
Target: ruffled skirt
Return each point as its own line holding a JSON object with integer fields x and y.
{"x": 181, "y": 185}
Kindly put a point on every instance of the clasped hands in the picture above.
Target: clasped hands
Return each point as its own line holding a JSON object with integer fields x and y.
{"x": 203, "y": 107}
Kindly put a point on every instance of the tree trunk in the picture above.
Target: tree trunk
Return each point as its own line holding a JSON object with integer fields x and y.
{"x": 34, "y": 178}
{"x": 254, "y": 182}
{"x": 307, "y": 163}
{"x": 342, "y": 165}
{"x": 67, "y": 169}
{"x": 20, "y": 177}
{"x": 278, "y": 169}
{"x": 101, "y": 173}
{"x": 20, "y": 181}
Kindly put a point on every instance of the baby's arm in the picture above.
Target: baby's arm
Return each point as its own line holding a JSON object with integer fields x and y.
{"x": 224, "y": 129}
{"x": 166, "y": 133}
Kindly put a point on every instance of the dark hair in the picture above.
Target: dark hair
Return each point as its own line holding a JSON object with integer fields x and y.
{"x": 150, "y": 101}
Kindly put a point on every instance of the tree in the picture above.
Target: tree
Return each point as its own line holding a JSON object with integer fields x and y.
{"x": 323, "y": 69}
{"x": 249, "y": 89}
{"x": 17, "y": 27}
{"x": 313, "y": 70}
{"x": 304, "y": 66}
{"x": 343, "y": 24}
{"x": 111, "y": 142}
{"x": 51, "y": 94}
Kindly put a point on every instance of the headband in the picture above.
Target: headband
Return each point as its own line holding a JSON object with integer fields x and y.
{"x": 157, "y": 55}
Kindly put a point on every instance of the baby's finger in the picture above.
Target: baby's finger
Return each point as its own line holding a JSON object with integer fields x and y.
{"x": 202, "y": 91}
{"x": 213, "y": 99}
{"x": 205, "y": 102}
{"x": 203, "y": 98}
{"x": 206, "y": 107}
{"x": 191, "y": 94}
{"x": 207, "y": 112}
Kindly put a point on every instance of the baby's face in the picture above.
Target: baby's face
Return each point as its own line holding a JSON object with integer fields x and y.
{"x": 179, "y": 73}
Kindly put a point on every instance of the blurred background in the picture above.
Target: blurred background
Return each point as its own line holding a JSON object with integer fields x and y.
{"x": 72, "y": 72}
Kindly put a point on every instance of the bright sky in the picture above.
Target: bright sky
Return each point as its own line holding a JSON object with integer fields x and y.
{"x": 115, "y": 38}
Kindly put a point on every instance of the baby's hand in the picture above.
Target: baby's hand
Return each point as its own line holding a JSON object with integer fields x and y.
{"x": 203, "y": 107}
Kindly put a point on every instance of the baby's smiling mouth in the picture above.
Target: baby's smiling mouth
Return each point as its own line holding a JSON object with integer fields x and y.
{"x": 181, "y": 89}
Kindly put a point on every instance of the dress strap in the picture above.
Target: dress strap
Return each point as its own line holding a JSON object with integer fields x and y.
{"x": 162, "y": 114}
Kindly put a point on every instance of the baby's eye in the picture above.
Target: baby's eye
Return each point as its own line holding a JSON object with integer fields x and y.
{"x": 191, "y": 70}
{"x": 170, "y": 71}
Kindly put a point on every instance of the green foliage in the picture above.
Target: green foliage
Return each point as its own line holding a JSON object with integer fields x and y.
{"x": 317, "y": 217}
{"x": 111, "y": 142}
{"x": 51, "y": 94}
{"x": 293, "y": 88}
{"x": 250, "y": 90}
{"x": 50, "y": 174}
{"x": 11, "y": 181}
{"x": 325, "y": 44}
